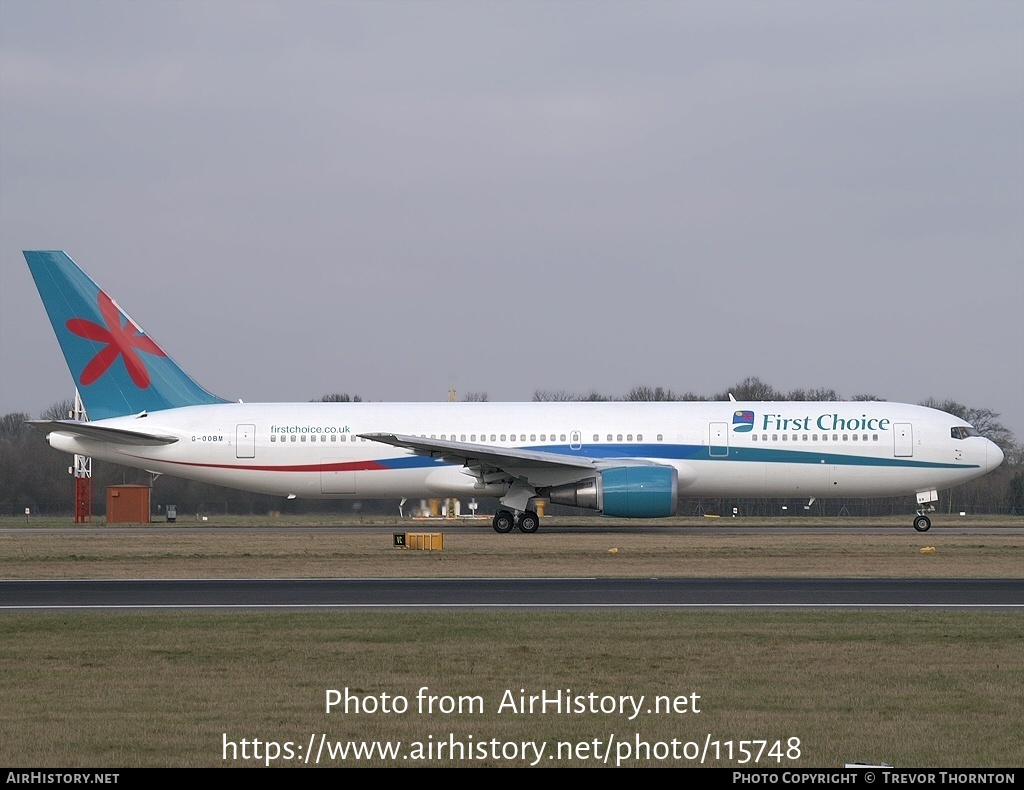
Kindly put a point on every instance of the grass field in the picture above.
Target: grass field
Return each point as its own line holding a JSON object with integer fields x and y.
{"x": 91, "y": 689}
{"x": 307, "y": 551}
{"x": 934, "y": 689}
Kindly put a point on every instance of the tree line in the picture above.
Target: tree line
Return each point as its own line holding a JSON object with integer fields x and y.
{"x": 36, "y": 477}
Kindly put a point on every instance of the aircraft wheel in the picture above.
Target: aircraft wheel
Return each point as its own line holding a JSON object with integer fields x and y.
{"x": 529, "y": 522}
{"x": 503, "y": 521}
{"x": 922, "y": 523}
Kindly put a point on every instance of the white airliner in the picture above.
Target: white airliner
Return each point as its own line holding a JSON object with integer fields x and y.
{"x": 633, "y": 459}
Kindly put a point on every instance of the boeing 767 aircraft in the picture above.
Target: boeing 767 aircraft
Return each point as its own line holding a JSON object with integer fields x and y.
{"x": 633, "y": 459}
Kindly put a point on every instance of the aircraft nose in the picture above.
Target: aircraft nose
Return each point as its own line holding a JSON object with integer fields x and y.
{"x": 993, "y": 456}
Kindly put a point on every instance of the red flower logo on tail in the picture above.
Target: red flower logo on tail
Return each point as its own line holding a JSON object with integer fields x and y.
{"x": 121, "y": 341}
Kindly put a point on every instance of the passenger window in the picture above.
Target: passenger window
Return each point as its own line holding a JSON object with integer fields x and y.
{"x": 639, "y": 437}
{"x": 629, "y": 437}
{"x": 273, "y": 438}
{"x": 659, "y": 437}
{"x": 597, "y": 438}
{"x": 561, "y": 437}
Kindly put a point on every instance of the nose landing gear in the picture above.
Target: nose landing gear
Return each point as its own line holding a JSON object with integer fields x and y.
{"x": 925, "y": 504}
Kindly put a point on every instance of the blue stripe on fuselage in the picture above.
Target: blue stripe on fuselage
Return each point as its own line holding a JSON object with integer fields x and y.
{"x": 699, "y": 452}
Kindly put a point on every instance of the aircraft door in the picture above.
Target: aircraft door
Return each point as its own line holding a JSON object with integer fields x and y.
{"x": 718, "y": 440}
{"x": 245, "y": 441}
{"x": 575, "y": 440}
{"x": 334, "y": 479}
{"x": 903, "y": 438}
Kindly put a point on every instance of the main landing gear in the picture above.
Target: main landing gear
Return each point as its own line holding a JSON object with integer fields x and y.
{"x": 505, "y": 521}
{"x": 922, "y": 523}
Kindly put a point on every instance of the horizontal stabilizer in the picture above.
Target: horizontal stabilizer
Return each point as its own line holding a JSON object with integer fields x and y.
{"x": 100, "y": 433}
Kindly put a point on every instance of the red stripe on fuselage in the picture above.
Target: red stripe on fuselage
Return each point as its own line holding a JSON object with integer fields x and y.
{"x": 348, "y": 466}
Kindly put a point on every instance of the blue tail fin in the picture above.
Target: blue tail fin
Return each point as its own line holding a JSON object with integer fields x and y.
{"x": 117, "y": 368}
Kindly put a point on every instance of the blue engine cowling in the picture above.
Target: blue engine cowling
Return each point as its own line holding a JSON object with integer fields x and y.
{"x": 625, "y": 491}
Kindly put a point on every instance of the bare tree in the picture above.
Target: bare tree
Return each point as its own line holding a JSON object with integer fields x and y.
{"x": 13, "y": 427}
{"x": 550, "y": 396}
{"x": 752, "y": 388}
{"x": 61, "y": 410}
{"x": 984, "y": 420}
{"x": 1015, "y": 494}
{"x": 650, "y": 393}
{"x": 823, "y": 394}
{"x": 561, "y": 396}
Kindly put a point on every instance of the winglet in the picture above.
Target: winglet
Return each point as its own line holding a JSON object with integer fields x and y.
{"x": 117, "y": 367}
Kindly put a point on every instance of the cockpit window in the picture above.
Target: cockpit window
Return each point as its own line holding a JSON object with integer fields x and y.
{"x": 963, "y": 431}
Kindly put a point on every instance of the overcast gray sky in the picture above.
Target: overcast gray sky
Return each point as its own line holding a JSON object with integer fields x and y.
{"x": 391, "y": 199}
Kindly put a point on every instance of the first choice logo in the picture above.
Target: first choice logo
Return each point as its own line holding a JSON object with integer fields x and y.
{"x": 743, "y": 421}
{"x": 824, "y": 422}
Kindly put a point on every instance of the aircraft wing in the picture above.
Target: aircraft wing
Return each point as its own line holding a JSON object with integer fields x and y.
{"x": 101, "y": 433}
{"x": 526, "y": 472}
{"x": 488, "y": 463}
{"x": 504, "y": 458}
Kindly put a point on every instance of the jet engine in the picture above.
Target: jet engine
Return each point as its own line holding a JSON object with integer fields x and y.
{"x": 626, "y": 492}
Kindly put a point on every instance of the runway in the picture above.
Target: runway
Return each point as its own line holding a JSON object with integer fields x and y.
{"x": 449, "y": 528}
{"x": 574, "y": 593}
